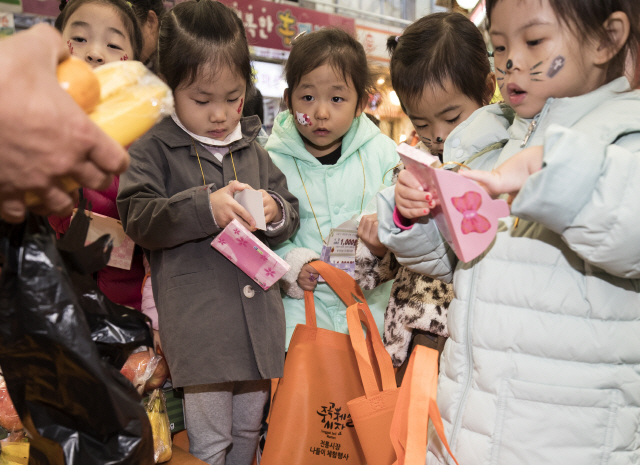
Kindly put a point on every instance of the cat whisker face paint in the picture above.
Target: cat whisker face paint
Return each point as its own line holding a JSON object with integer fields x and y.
{"x": 70, "y": 47}
{"x": 240, "y": 107}
{"x": 303, "y": 119}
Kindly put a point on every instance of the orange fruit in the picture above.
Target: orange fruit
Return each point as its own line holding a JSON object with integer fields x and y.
{"x": 77, "y": 78}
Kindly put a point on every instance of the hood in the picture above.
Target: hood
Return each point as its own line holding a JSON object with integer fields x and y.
{"x": 286, "y": 140}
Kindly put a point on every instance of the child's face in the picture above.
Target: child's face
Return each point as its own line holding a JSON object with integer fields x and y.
{"x": 437, "y": 113}
{"x": 212, "y": 105}
{"x": 323, "y": 107}
{"x": 96, "y": 34}
{"x": 537, "y": 56}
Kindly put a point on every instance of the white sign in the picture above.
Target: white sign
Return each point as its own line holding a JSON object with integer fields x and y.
{"x": 270, "y": 80}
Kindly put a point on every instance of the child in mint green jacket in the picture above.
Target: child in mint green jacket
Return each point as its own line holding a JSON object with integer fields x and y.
{"x": 541, "y": 366}
{"x": 335, "y": 160}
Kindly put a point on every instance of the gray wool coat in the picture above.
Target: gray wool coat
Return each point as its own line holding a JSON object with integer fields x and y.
{"x": 216, "y": 323}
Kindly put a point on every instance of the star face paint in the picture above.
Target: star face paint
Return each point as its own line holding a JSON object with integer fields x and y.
{"x": 125, "y": 57}
{"x": 240, "y": 107}
{"x": 556, "y": 66}
{"x": 303, "y": 119}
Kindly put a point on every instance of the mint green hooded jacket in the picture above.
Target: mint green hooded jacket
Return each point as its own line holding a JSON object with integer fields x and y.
{"x": 543, "y": 361}
{"x": 336, "y": 194}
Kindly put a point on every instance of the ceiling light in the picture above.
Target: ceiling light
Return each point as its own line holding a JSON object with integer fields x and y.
{"x": 467, "y": 4}
{"x": 393, "y": 97}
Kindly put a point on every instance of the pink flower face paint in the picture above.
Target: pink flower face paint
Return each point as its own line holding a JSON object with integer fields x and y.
{"x": 240, "y": 107}
{"x": 70, "y": 47}
{"x": 125, "y": 57}
{"x": 303, "y": 119}
{"x": 556, "y": 66}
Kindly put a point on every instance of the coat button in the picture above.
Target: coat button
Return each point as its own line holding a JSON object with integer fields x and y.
{"x": 455, "y": 143}
{"x": 460, "y": 153}
{"x": 248, "y": 292}
{"x": 336, "y": 210}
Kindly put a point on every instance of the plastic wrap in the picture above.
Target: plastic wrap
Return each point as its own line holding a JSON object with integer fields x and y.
{"x": 132, "y": 100}
{"x": 76, "y": 407}
{"x": 9, "y": 418}
{"x": 157, "y": 412}
{"x": 123, "y": 98}
{"x": 145, "y": 372}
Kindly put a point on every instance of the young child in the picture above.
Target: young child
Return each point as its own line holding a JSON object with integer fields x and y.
{"x": 334, "y": 158}
{"x": 542, "y": 362}
{"x": 222, "y": 335}
{"x": 100, "y": 32}
{"x": 149, "y": 14}
{"x": 440, "y": 70}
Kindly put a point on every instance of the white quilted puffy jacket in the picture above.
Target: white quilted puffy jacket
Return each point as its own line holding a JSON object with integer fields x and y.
{"x": 543, "y": 363}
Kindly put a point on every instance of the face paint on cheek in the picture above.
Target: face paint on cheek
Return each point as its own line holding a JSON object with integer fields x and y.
{"x": 125, "y": 57}
{"x": 556, "y": 66}
{"x": 70, "y": 47}
{"x": 240, "y": 107}
{"x": 303, "y": 119}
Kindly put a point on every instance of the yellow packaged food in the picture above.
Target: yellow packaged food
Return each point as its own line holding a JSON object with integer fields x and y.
{"x": 157, "y": 412}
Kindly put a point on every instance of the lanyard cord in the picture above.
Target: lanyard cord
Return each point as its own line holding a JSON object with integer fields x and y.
{"x": 199, "y": 163}
{"x": 306, "y": 192}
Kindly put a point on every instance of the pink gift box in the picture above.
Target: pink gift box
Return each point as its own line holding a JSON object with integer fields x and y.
{"x": 466, "y": 215}
{"x": 250, "y": 255}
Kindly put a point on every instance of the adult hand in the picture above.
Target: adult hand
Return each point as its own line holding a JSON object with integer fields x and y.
{"x": 308, "y": 278}
{"x": 226, "y": 209}
{"x": 45, "y": 136}
{"x": 368, "y": 234}
{"x": 411, "y": 199}
{"x": 272, "y": 211}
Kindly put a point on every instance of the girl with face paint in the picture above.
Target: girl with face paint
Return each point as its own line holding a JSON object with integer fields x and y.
{"x": 541, "y": 365}
{"x": 222, "y": 334}
{"x": 335, "y": 159}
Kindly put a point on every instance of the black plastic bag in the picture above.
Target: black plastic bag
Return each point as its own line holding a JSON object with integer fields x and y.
{"x": 116, "y": 330}
{"x": 75, "y": 405}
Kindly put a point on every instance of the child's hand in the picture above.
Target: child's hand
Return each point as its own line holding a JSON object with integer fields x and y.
{"x": 226, "y": 209}
{"x": 411, "y": 199}
{"x": 272, "y": 211}
{"x": 308, "y": 278}
{"x": 368, "y": 234}
{"x": 509, "y": 177}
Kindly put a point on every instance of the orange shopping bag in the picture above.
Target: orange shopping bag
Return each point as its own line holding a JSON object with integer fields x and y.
{"x": 372, "y": 413}
{"x": 310, "y": 422}
{"x": 416, "y": 405}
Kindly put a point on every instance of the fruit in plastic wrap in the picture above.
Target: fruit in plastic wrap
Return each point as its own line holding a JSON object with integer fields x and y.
{"x": 157, "y": 412}
{"x": 78, "y": 79}
{"x": 145, "y": 372}
{"x": 123, "y": 98}
{"x": 9, "y": 418}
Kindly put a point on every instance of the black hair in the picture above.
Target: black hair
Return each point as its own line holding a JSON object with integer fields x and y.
{"x": 195, "y": 34}
{"x": 435, "y": 49}
{"x": 142, "y": 8}
{"x": 254, "y": 106}
{"x": 124, "y": 9}
{"x": 336, "y": 47}
{"x": 586, "y": 19}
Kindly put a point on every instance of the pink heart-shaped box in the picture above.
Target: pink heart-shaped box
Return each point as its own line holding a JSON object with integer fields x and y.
{"x": 466, "y": 215}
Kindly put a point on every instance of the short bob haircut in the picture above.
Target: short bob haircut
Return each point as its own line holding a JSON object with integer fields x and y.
{"x": 438, "y": 48}
{"x": 335, "y": 47}
{"x": 586, "y": 18}
{"x": 202, "y": 36}
{"x": 126, "y": 13}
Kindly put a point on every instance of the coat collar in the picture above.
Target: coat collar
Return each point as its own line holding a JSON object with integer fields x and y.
{"x": 171, "y": 134}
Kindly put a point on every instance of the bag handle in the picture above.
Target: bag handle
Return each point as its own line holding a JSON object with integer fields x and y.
{"x": 342, "y": 284}
{"x": 355, "y": 315}
{"x": 417, "y": 402}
